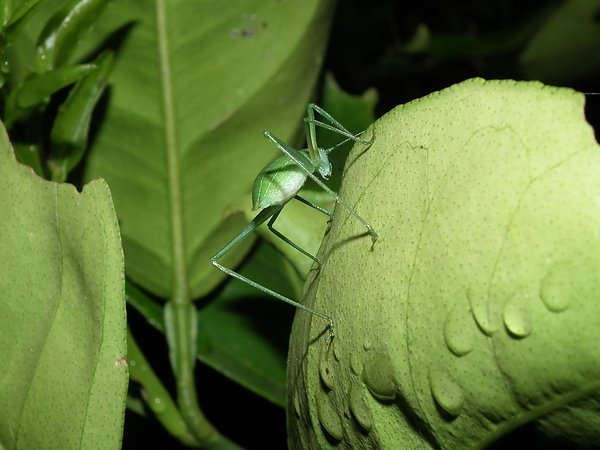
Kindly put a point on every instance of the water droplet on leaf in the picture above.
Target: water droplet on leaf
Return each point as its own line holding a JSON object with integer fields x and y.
{"x": 446, "y": 392}
{"x": 378, "y": 376}
{"x": 459, "y": 330}
{"x": 329, "y": 418}
{"x": 359, "y": 407}
{"x": 517, "y": 318}
{"x": 557, "y": 287}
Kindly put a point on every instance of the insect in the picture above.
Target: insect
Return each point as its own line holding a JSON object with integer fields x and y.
{"x": 280, "y": 181}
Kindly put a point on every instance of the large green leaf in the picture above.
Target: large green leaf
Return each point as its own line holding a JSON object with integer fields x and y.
{"x": 62, "y": 340}
{"x": 477, "y": 310}
{"x": 194, "y": 85}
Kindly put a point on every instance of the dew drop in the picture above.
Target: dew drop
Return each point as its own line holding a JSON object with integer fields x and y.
{"x": 359, "y": 407}
{"x": 446, "y": 393}
{"x": 326, "y": 370}
{"x": 458, "y": 331}
{"x": 480, "y": 309}
{"x": 329, "y": 418}
{"x": 355, "y": 363}
{"x": 556, "y": 287}
{"x": 159, "y": 406}
{"x": 517, "y": 318}
{"x": 367, "y": 344}
{"x": 378, "y": 376}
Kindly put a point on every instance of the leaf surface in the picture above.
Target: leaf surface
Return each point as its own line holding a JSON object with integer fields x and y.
{"x": 62, "y": 341}
{"x": 193, "y": 87}
{"x": 476, "y": 311}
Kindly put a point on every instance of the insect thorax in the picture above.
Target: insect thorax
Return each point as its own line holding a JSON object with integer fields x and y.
{"x": 324, "y": 166}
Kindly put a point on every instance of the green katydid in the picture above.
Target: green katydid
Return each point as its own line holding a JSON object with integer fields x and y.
{"x": 280, "y": 181}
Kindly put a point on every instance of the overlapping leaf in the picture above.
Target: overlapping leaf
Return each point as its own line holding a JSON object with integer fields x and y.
{"x": 476, "y": 311}
{"x": 62, "y": 340}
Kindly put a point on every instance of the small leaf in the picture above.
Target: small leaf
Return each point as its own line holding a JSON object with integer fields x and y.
{"x": 39, "y": 88}
{"x": 29, "y": 155}
{"x": 6, "y": 7}
{"x": 19, "y": 18}
{"x": 58, "y": 39}
{"x": 69, "y": 135}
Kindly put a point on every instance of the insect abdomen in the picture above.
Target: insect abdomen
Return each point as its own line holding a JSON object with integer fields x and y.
{"x": 277, "y": 183}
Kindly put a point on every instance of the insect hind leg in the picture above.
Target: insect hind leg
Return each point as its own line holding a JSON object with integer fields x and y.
{"x": 289, "y": 241}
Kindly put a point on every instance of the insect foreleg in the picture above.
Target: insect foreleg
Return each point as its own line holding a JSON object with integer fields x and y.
{"x": 333, "y": 125}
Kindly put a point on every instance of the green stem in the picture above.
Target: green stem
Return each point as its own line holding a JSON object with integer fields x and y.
{"x": 181, "y": 326}
{"x": 156, "y": 396}
{"x": 180, "y": 312}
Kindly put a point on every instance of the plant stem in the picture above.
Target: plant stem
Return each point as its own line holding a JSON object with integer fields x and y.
{"x": 180, "y": 312}
{"x": 155, "y": 394}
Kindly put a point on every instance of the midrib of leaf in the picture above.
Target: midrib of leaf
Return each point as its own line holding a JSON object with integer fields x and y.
{"x": 180, "y": 301}
{"x": 179, "y": 293}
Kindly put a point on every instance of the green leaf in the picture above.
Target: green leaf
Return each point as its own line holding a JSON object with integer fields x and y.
{"x": 192, "y": 89}
{"x": 71, "y": 127}
{"x": 39, "y": 88}
{"x": 19, "y": 19}
{"x": 62, "y": 338}
{"x": 567, "y": 46}
{"x": 64, "y": 29}
{"x": 6, "y": 10}
{"x": 30, "y": 156}
{"x": 477, "y": 309}
{"x": 239, "y": 330}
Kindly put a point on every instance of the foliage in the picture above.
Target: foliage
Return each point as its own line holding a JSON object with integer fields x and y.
{"x": 166, "y": 101}
{"x": 62, "y": 339}
{"x": 476, "y": 311}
